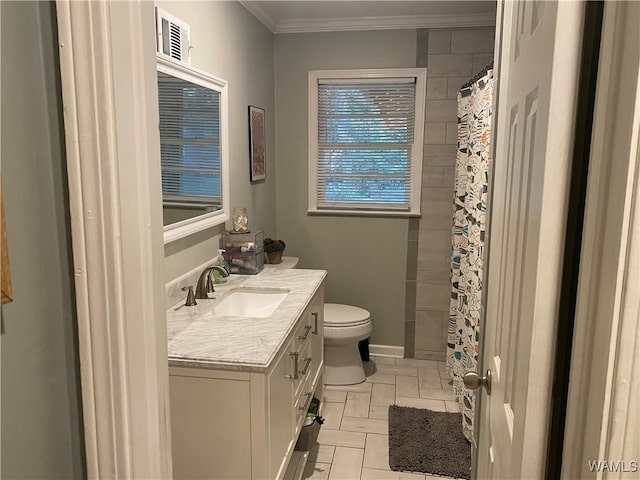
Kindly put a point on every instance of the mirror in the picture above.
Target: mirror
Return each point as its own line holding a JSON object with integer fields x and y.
{"x": 194, "y": 151}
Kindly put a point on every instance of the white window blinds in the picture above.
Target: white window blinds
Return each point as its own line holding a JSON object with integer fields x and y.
{"x": 189, "y": 143}
{"x": 365, "y": 142}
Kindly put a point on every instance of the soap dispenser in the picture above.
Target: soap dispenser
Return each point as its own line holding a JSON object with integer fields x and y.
{"x": 220, "y": 261}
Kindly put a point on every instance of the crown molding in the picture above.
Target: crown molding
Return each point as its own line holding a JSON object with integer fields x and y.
{"x": 384, "y": 23}
{"x": 398, "y": 22}
{"x": 257, "y": 11}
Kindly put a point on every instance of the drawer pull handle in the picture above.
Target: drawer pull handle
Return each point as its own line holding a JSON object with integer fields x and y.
{"x": 307, "y": 364}
{"x": 315, "y": 323}
{"x": 295, "y": 366}
{"x": 308, "y": 402}
{"x": 307, "y": 329}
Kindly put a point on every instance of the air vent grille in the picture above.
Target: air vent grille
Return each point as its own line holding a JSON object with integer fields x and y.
{"x": 173, "y": 37}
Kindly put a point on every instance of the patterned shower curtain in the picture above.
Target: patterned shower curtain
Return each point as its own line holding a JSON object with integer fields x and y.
{"x": 469, "y": 209}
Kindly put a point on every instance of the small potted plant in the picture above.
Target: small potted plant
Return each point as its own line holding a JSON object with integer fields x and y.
{"x": 274, "y": 249}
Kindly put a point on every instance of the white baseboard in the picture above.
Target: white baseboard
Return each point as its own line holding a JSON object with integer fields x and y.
{"x": 386, "y": 351}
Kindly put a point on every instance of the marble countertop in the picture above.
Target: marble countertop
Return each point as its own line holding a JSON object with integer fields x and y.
{"x": 240, "y": 343}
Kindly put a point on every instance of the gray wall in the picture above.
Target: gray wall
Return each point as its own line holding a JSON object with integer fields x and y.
{"x": 365, "y": 256}
{"x": 40, "y": 406}
{"x": 452, "y": 57}
{"x": 230, "y": 43}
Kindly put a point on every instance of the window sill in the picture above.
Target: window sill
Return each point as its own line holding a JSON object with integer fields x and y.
{"x": 362, "y": 213}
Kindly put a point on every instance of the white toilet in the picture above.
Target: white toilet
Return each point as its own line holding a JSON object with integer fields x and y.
{"x": 344, "y": 327}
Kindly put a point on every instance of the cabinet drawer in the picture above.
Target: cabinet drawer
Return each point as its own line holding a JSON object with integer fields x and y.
{"x": 306, "y": 389}
{"x": 304, "y": 330}
{"x": 305, "y": 366}
{"x": 302, "y": 401}
{"x": 302, "y": 405}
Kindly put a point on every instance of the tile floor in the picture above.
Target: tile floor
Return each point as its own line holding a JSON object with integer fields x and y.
{"x": 353, "y": 443}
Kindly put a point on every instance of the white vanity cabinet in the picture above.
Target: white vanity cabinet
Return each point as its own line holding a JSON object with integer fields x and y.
{"x": 238, "y": 424}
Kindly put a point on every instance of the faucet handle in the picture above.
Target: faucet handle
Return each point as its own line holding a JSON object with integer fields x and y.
{"x": 191, "y": 298}
{"x": 209, "y": 284}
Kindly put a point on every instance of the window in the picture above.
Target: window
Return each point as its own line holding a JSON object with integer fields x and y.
{"x": 365, "y": 141}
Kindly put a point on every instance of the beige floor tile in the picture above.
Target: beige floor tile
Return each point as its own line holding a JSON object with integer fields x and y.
{"x": 316, "y": 471}
{"x": 332, "y": 413}
{"x": 375, "y": 474}
{"x": 437, "y": 394}
{"x": 340, "y": 438}
{"x": 407, "y": 386}
{"x": 383, "y": 360}
{"x": 452, "y": 406}
{"x": 378, "y": 377}
{"x": 321, "y": 454}
{"x": 398, "y": 370}
{"x": 347, "y": 464}
{"x": 359, "y": 387}
{"x": 435, "y": 405}
{"x": 383, "y": 395}
{"x": 379, "y": 412}
{"x": 334, "y": 395}
{"x": 415, "y": 362}
{"x": 376, "y": 452}
{"x": 354, "y": 443}
{"x": 365, "y": 425}
{"x": 429, "y": 378}
{"x": 357, "y": 404}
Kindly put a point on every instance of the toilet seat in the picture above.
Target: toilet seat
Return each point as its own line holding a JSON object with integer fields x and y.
{"x": 338, "y": 315}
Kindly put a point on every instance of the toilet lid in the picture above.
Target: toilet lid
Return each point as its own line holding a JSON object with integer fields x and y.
{"x": 344, "y": 315}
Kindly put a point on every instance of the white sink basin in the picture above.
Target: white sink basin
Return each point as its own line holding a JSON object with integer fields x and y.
{"x": 242, "y": 302}
{"x": 237, "y": 301}
{"x": 249, "y": 302}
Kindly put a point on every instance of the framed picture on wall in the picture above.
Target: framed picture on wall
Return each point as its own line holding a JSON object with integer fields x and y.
{"x": 257, "y": 147}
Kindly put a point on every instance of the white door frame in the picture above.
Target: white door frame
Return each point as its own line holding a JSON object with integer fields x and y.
{"x": 604, "y": 392}
{"x": 108, "y": 73}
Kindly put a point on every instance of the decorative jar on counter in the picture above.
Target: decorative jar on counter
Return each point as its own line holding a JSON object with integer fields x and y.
{"x": 240, "y": 220}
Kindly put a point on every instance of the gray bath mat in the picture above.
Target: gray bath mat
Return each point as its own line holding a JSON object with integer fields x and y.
{"x": 429, "y": 442}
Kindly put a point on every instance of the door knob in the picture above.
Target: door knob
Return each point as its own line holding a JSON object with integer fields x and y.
{"x": 474, "y": 381}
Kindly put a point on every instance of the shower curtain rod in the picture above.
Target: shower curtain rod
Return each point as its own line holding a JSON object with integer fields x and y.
{"x": 478, "y": 76}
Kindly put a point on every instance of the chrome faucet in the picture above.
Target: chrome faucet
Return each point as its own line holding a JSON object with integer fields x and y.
{"x": 205, "y": 282}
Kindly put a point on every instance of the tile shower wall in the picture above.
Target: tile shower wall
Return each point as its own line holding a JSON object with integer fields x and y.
{"x": 452, "y": 57}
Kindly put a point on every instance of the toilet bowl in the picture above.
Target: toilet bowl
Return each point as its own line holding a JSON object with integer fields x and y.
{"x": 344, "y": 327}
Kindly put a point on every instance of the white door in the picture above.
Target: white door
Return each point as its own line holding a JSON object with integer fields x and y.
{"x": 537, "y": 68}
